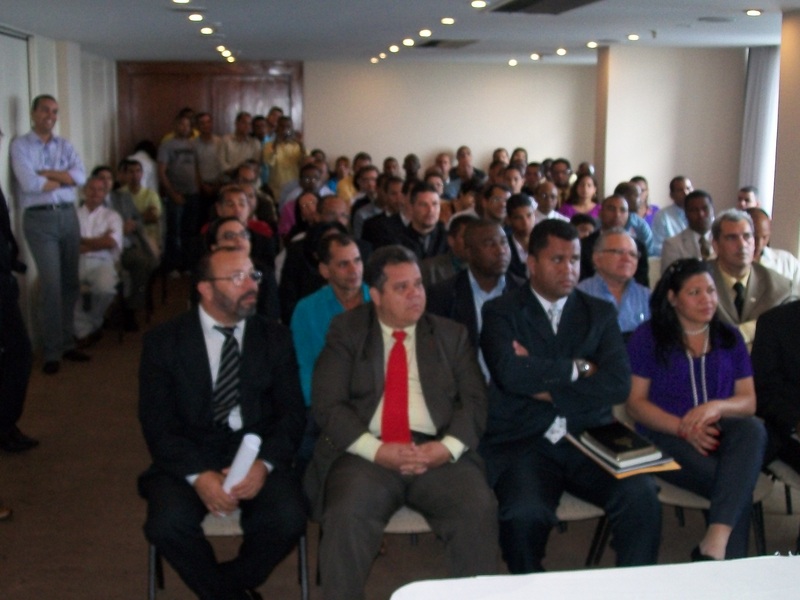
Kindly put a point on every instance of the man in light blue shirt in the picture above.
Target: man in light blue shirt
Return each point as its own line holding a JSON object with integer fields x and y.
{"x": 340, "y": 263}
{"x": 48, "y": 171}
{"x": 672, "y": 220}
{"x": 615, "y": 257}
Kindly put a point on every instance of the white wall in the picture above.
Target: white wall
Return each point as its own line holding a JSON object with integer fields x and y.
{"x": 395, "y": 109}
{"x": 674, "y": 111}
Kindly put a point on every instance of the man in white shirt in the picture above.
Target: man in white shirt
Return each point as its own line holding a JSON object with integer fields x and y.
{"x": 101, "y": 241}
{"x": 781, "y": 261}
{"x": 671, "y": 220}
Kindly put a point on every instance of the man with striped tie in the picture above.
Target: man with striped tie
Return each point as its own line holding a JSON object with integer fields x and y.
{"x": 207, "y": 378}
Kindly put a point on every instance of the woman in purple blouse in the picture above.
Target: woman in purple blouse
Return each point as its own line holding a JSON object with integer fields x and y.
{"x": 692, "y": 394}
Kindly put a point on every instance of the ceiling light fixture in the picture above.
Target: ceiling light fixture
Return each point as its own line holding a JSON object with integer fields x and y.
{"x": 512, "y": 62}
{"x": 561, "y": 51}
{"x": 226, "y": 53}
{"x": 425, "y": 33}
{"x": 478, "y": 4}
{"x": 633, "y": 37}
{"x": 382, "y": 55}
{"x": 408, "y": 42}
{"x": 374, "y": 60}
{"x": 394, "y": 48}
{"x": 196, "y": 17}
{"x": 220, "y": 48}
{"x": 448, "y": 21}
{"x": 591, "y": 45}
{"x": 535, "y": 56}
{"x": 230, "y": 59}
{"x": 206, "y": 31}
{"x": 180, "y": 1}
{"x": 753, "y": 12}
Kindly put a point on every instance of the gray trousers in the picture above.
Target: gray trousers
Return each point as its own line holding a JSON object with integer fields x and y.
{"x": 53, "y": 237}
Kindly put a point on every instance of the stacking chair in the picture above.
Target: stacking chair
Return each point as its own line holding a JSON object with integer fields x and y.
{"x": 790, "y": 478}
{"x": 214, "y": 526}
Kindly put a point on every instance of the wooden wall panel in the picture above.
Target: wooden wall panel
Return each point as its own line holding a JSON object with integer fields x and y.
{"x": 151, "y": 94}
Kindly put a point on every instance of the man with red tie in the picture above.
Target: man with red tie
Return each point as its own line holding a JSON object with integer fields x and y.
{"x": 401, "y": 403}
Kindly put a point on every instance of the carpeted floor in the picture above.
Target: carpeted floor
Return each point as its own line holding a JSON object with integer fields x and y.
{"x": 76, "y": 531}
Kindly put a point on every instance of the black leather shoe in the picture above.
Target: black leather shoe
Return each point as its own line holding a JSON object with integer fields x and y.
{"x": 51, "y": 367}
{"x": 76, "y": 356}
{"x": 16, "y": 441}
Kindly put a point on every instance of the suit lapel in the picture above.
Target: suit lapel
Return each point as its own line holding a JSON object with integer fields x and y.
{"x": 725, "y": 307}
{"x": 536, "y": 317}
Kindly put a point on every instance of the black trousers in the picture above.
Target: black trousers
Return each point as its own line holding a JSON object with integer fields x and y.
{"x": 16, "y": 355}
{"x": 272, "y": 523}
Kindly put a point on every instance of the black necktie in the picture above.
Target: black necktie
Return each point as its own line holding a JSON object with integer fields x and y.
{"x": 738, "y": 301}
{"x": 226, "y": 390}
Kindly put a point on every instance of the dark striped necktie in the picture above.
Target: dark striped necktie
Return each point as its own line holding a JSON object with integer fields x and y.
{"x": 226, "y": 390}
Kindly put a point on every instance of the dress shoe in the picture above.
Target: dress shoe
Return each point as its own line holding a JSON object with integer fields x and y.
{"x": 51, "y": 367}
{"x": 5, "y": 513}
{"x": 16, "y": 441}
{"x": 76, "y": 356}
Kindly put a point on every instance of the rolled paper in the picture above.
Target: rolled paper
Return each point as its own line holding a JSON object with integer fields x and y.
{"x": 245, "y": 456}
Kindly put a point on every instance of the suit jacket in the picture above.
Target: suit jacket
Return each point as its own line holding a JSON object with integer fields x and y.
{"x": 641, "y": 275}
{"x": 452, "y": 298}
{"x": 412, "y": 240}
{"x": 175, "y": 397}
{"x": 383, "y": 230}
{"x": 349, "y": 380}
{"x": 683, "y": 245}
{"x": 587, "y": 329}
{"x": 776, "y": 368}
{"x": 438, "y": 268}
{"x": 765, "y": 289}
{"x": 517, "y": 266}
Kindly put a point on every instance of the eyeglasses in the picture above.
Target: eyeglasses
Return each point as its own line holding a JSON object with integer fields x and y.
{"x": 238, "y": 278}
{"x": 230, "y": 236}
{"x": 620, "y": 252}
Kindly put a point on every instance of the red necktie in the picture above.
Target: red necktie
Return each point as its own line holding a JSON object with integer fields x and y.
{"x": 394, "y": 423}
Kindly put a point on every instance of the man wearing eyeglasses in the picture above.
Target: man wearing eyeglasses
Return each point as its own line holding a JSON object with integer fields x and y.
{"x": 615, "y": 257}
{"x": 207, "y": 378}
{"x": 614, "y": 212}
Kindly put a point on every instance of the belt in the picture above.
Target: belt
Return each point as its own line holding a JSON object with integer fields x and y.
{"x": 51, "y": 206}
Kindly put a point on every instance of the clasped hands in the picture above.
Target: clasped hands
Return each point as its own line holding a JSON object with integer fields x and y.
{"x": 412, "y": 459}
{"x": 699, "y": 427}
{"x": 208, "y": 486}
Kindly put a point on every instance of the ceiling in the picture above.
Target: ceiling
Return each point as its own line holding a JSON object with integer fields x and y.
{"x": 357, "y": 30}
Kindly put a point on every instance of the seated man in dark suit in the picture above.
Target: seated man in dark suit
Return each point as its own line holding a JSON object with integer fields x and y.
{"x": 401, "y": 403}
{"x": 462, "y": 296}
{"x": 387, "y": 227}
{"x": 425, "y": 235}
{"x": 776, "y": 370}
{"x": 558, "y": 365}
{"x": 199, "y": 395}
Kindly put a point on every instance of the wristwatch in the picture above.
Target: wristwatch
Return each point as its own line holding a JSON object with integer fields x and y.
{"x": 582, "y": 366}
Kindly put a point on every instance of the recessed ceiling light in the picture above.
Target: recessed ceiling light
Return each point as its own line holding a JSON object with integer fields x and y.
{"x": 633, "y": 37}
{"x": 226, "y": 53}
{"x": 180, "y": 1}
{"x": 753, "y": 12}
{"x": 425, "y": 33}
{"x": 220, "y": 48}
{"x": 394, "y": 48}
{"x": 382, "y": 55}
{"x": 478, "y": 4}
{"x": 408, "y": 42}
{"x": 206, "y": 31}
{"x": 374, "y": 60}
{"x": 230, "y": 59}
{"x": 448, "y": 21}
{"x": 535, "y": 56}
{"x": 197, "y": 17}
{"x": 561, "y": 51}
{"x": 512, "y": 62}
{"x": 591, "y": 45}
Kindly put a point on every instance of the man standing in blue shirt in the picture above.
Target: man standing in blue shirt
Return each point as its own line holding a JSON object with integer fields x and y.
{"x": 615, "y": 257}
{"x": 48, "y": 171}
{"x": 340, "y": 264}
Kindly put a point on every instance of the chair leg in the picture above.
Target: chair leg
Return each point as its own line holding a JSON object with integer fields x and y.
{"x": 758, "y": 529}
{"x": 302, "y": 566}
{"x": 787, "y": 491}
{"x": 599, "y": 541}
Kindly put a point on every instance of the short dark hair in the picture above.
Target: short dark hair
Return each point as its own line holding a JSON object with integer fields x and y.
{"x": 99, "y": 169}
{"x": 387, "y": 181}
{"x": 477, "y": 225}
{"x": 518, "y": 201}
{"x": 41, "y": 98}
{"x": 324, "y": 248}
{"x": 459, "y": 222}
{"x": 487, "y": 192}
{"x": 697, "y": 194}
{"x": 675, "y": 180}
{"x": 213, "y": 229}
{"x": 749, "y": 189}
{"x": 583, "y": 219}
{"x": 202, "y": 270}
{"x": 540, "y": 236}
{"x": 361, "y": 172}
{"x": 420, "y": 188}
{"x": 374, "y": 274}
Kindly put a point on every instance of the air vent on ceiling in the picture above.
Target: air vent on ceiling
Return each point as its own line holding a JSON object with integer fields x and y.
{"x": 446, "y": 44}
{"x": 541, "y": 7}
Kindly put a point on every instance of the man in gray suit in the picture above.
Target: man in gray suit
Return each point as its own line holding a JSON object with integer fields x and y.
{"x": 746, "y": 289}
{"x": 395, "y": 435}
{"x": 695, "y": 241}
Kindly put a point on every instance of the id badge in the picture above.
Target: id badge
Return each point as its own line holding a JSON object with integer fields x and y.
{"x": 557, "y": 430}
